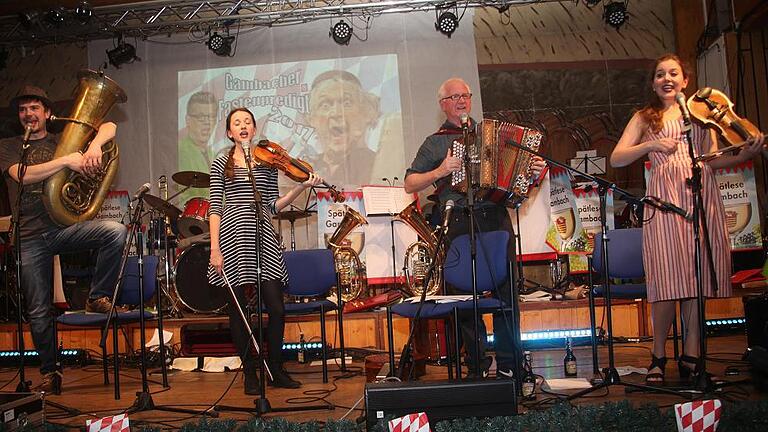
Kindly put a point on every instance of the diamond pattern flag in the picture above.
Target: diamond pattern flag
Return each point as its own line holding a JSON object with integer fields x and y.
{"x": 410, "y": 423}
{"x": 118, "y": 423}
{"x": 698, "y": 416}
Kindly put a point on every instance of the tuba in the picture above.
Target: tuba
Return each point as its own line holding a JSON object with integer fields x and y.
{"x": 418, "y": 256}
{"x": 69, "y": 196}
{"x": 351, "y": 271}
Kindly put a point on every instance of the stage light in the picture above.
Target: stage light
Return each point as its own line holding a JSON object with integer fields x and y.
{"x": 220, "y": 45}
{"x": 83, "y": 12}
{"x": 447, "y": 23}
{"x": 56, "y": 16}
{"x": 341, "y": 32}
{"x": 121, "y": 54}
{"x": 615, "y": 14}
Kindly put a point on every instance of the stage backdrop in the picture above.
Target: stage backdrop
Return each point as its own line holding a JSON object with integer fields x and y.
{"x": 371, "y": 102}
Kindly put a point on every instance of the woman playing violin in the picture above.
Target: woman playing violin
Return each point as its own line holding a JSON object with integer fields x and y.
{"x": 656, "y": 131}
{"x": 233, "y": 244}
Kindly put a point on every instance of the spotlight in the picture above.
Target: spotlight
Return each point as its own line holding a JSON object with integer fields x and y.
{"x": 341, "y": 32}
{"x": 121, "y": 54}
{"x": 56, "y": 16}
{"x": 220, "y": 45}
{"x": 447, "y": 23}
{"x": 83, "y": 12}
{"x": 615, "y": 14}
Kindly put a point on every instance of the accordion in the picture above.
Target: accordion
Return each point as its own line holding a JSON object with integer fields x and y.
{"x": 501, "y": 173}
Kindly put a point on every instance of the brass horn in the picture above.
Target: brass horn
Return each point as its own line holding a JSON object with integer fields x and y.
{"x": 69, "y": 196}
{"x": 418, "y": 256}
{"x": 351, "y": 270}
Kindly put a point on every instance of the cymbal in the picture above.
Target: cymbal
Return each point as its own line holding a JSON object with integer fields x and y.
{"x": 194, "y": 179}
{"x": 163, "y": 206}
{"x": 292, "y": 215}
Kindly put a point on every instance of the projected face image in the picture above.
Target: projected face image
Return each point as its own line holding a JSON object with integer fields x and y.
{"x": 201, "y": 119}
{"x": 341, "y": 113}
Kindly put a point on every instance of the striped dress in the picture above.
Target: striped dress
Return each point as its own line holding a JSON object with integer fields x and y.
{"x": 668, "y": 242}
{"x": 231, "y": 199}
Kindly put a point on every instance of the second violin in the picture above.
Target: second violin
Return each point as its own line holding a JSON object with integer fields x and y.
{"x": 274, "y": 156}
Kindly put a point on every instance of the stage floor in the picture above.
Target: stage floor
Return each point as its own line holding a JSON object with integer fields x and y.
{"x": 85, "y": 392}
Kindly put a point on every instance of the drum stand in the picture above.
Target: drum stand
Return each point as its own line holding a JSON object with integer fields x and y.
{"x": 143, "y": 400}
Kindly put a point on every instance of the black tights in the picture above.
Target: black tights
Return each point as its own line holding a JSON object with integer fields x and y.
{"x": 272, "y": 297}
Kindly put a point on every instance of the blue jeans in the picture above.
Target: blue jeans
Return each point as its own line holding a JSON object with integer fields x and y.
{"x": 108, "y": 238}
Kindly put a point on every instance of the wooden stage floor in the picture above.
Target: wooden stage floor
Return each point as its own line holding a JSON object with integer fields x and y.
{"x": 85, "y": 392}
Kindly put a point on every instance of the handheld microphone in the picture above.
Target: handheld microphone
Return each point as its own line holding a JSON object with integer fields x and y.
{"x": 447, "y": 215}
{"x": 141, "y": 191}
{"x": 680, "y": 98}
{"x": 667, "y": 207}
{"x": 464, "y": 117}
{"x": 27, "y": 133}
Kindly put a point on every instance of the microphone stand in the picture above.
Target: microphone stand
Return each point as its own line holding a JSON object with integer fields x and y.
{"x": 611, "y": 375}
{"x": 467, "y": 163}
{"x": 262, "y": 405}
{"x": 23, "y": 386}
{"x": 703, "y": 380}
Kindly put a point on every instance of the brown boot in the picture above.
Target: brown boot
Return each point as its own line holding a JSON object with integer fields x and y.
{"x": 51, "y": 382}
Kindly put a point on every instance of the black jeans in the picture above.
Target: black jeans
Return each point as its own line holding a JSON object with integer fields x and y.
{"x": 272, "y": 298}
{"x": 491, "y": 218}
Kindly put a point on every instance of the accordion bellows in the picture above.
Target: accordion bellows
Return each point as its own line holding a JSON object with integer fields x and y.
{"x": 501, "y": 172}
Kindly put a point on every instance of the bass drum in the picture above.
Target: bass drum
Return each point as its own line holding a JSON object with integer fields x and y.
{"x": 191, "y": 280}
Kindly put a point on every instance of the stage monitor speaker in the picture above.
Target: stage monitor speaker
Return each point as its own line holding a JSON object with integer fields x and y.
{"x": 756, "y": 315}
{"x": 441, "y": 400}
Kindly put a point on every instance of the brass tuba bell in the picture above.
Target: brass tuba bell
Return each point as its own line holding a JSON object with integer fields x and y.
{"x": 418, "y": 256}
{"x": 69, "y": 196}
{"x": 350, "y": 269}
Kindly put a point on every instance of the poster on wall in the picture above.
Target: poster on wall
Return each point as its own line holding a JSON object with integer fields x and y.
{"x": 115, "y": 207}
{"x": 566, "y": 233}
{"x": 588, "y": 205}
{"x": 330, "y": 215}
{"x": 738, "y": 191}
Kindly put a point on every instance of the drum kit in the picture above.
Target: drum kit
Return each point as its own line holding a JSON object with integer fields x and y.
{"x": 188, "y": 245}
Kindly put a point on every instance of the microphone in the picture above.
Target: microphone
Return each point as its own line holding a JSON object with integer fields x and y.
{"x": 447, "y": 216}
{"x": 464, "y": 117}
{"x": 667, "y": 207}
{"x": 680, "y": 98}
{"x": 246, "y": 151}
{"x": 141, "y": 191}
{"x": 27, "y": 133}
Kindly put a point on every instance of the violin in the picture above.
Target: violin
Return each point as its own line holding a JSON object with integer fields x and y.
{"x": 273, "y": 155}
{"x": 712, "y": 107}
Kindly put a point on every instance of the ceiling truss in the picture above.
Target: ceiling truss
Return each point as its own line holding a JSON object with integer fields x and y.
{"x": 152, "y": 18}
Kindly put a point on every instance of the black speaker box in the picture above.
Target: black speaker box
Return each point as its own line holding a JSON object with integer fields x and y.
{"x": 440, "y": 399}
{"x": 756, "y": 315}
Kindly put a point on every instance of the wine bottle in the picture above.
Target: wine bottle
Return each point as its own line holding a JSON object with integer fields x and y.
{"x": 528, "y": 385}
{"x": 569, "y": 362}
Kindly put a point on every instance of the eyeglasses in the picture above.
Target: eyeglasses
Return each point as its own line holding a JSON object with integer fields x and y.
{"x": 456, "y": 97}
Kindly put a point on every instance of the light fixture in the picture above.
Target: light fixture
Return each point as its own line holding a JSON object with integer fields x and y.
{"x": 447, "y": 22}
{"x": 220, "y": 45}
{"x": 121, "y": 54}
{"x": 341, "y": 32}
{"x": 83, "y": 12}
{"x": 56, "y": 16}
{"x": 615, "y": 14}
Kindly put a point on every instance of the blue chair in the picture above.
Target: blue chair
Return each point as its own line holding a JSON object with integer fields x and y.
{"x": 128, "y": 295}
{"x": 312, "y": 274}
{"x": 625, "y": 261}
{"x": 493, "y": 270}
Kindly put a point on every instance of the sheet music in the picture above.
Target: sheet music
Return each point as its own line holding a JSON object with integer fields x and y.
{"x": 385, "y": 200}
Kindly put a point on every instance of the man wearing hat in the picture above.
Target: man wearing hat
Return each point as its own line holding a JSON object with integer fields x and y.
{"x": 41, "y": 238}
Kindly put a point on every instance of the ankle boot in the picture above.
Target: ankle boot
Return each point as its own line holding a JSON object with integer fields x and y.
{"x": 251, "y": 383}
{"x": 280, "y": 378}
